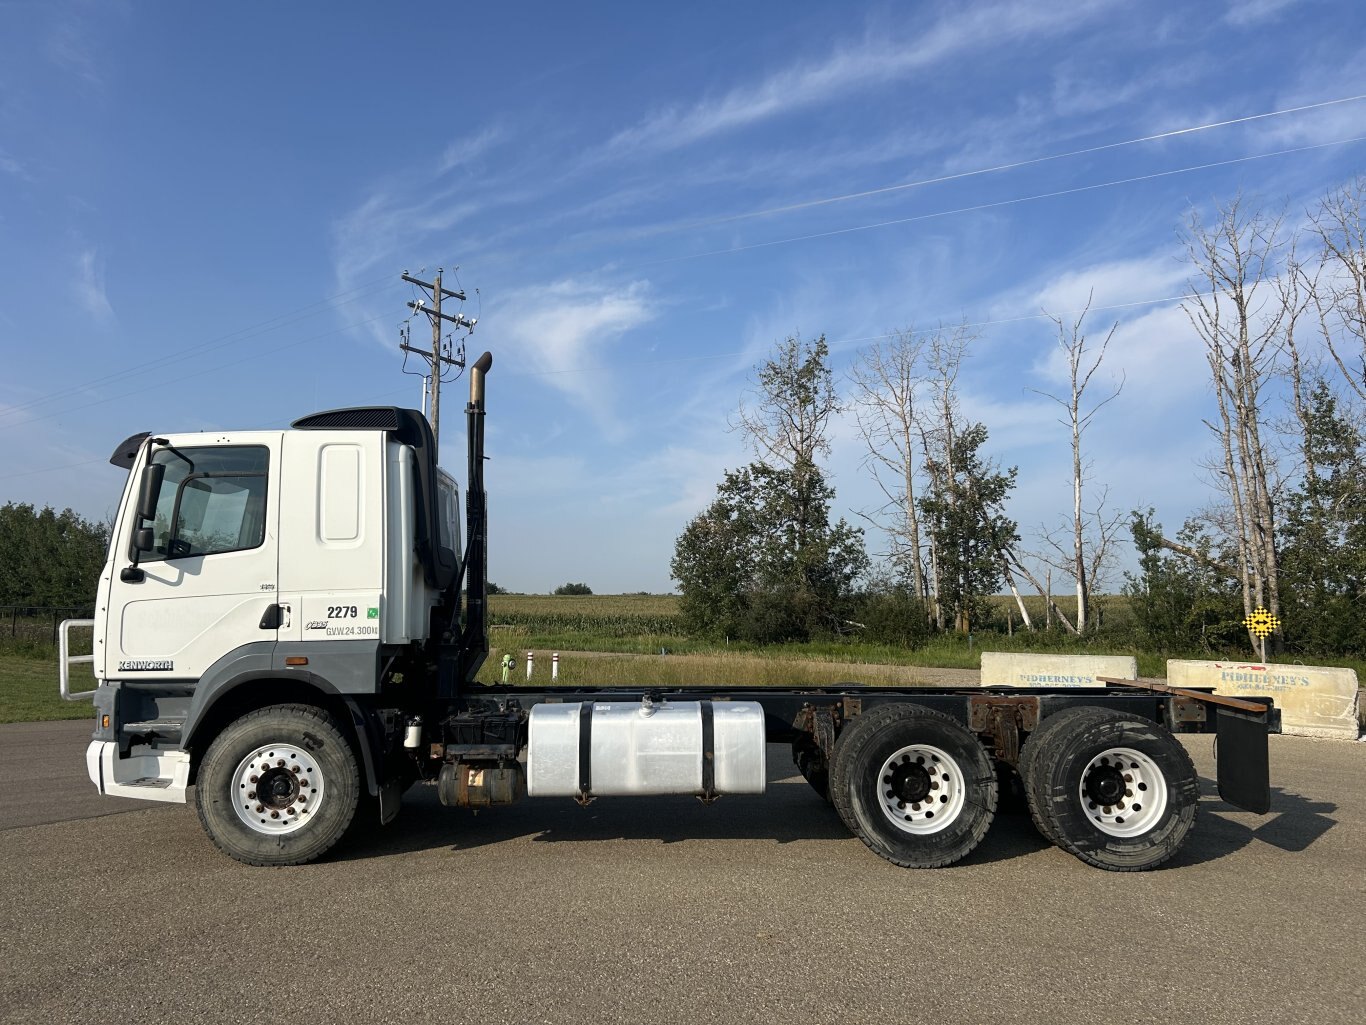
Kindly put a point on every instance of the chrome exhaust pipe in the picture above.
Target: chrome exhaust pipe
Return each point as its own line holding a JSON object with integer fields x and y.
{"x": 481, "y": 367}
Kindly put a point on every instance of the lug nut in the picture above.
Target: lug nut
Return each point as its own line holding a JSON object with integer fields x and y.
{"x": 251, "y": 795}
{"x": 280, "y": 762}
{"x": 259, "y": 809}
{"x": 275, "y": 814}
{"x": 290, "y": 810}
{"x": 253, "y": 778}
{"x": 295, "y": 769}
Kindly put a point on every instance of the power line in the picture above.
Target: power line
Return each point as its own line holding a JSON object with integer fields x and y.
{"x": 842, "y": 343}
{"x": 1004, "y": 202}
{"x": 438, "y": 356}
{"x": 1015, "y": 164}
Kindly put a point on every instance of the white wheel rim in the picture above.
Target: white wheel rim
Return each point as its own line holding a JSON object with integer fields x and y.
{"x": 1133, "y": 785}
{"x": 921, "y": 789}
{"x": 277, "y": 788}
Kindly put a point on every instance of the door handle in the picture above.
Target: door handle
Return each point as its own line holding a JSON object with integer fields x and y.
{"x": 274, "y": 617}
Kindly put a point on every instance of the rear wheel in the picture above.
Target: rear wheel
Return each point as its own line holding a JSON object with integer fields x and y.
{"x": 279, "y": 786}
{"x": 913, "y": 785}
{"x": 1030, "y": 778}
{"x": 1117, "y": 791}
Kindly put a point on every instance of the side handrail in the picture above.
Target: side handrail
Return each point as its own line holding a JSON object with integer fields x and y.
{"x": 65, "y": 660}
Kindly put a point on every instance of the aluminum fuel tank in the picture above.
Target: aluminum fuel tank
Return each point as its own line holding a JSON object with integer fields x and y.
{"x": 640, "y": 748}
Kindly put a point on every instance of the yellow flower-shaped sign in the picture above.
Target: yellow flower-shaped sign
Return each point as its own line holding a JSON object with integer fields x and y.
{"x": 1262, "y": 623}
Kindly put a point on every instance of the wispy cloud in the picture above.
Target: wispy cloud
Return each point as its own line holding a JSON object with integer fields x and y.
{"x": 465, "y": 151}
{"x": 9, "y": 165}
{"x": 557, "y": 330}
{"x": 1112, "y": 283}
{"x": 874, "y": 61}
{"x": 1244, "y": 13}
{"x": 68, "y": 47}
{"x": 90, "y": 291}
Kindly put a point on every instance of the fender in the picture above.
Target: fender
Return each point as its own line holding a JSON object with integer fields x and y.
{"x": 344, "y": 677}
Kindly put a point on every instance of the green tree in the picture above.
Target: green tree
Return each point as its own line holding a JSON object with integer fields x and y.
{"x": 763, "y": 562}
{"x": 50, "y": 558}
{"x": 1186, "y": 602}
{"x": 1323, "y": 536}
{"x": 972, "y": 537}
{"x": 573, "y": 589}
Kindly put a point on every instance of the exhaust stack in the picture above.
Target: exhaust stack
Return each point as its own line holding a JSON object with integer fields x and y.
{"x": 481, "y": 367}
{"x": 474, "y": 636}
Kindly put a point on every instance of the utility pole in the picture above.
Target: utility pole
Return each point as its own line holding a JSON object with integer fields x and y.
{"x": 436, "y": 358}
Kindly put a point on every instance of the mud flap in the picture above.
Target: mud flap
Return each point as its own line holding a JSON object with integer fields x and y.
{"x": 1243, "y": 765}
{"x": 390, "y": 801}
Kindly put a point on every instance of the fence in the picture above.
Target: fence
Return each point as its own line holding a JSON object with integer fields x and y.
{"x": 39, "y": 622}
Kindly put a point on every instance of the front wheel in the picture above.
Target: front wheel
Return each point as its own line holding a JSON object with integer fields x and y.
{"x": 279, "y": 786}
{"x": 913, "y": 785}
{"x": 1117, "y": 791}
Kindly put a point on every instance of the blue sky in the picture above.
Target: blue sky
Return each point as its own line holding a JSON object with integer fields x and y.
{"x": 205, "y": 210}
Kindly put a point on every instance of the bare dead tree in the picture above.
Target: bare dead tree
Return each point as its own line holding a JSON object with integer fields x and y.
{"x": 1081, "y": 367}
{"x": 1103, "y": 532}
{"x": 938, "y": 422}
{"x": 888, "y": 384}
{"x": 1340, "y": 295}
{"x": 1299, "y": 288}
{"x": 1239, "y": 317}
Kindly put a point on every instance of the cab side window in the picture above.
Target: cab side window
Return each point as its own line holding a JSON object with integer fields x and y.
{"x": 212, "y": 500}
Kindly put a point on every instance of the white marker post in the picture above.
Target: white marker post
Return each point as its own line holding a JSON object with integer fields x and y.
{"x": 554, "y": 666}
{"x": 530, "y": 661}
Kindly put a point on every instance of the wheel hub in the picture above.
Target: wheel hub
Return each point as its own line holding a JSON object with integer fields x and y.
{"x": 910, "y": 781}
{"x": 1123, "y": 792}
{"x": 922, "y": 788}
{"x": 1105, "y": 784}
{"x": 277, "y": 789}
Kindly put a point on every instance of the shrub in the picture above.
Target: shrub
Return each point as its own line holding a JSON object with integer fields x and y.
{"x": 893, "y": 616}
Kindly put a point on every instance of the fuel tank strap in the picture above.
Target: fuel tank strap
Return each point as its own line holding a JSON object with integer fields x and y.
{"x": 586, "y": 751}
{"x": 708, "y": 750}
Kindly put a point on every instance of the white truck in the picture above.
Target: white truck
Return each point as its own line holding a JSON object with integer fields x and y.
{"x": 289, "y": 624}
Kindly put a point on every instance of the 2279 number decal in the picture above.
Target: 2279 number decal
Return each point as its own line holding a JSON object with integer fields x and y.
{"x": 341, "y": 612}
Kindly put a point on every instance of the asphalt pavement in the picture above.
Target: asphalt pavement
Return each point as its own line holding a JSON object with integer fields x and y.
{"x": 757, "y": 909}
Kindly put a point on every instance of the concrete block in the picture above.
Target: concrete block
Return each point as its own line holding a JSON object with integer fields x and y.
{"x": 1022, "y": 669}
{"x": 1315, "y": 701}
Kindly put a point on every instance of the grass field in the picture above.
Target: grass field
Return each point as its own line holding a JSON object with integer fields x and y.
{"x": 28, "y": 690}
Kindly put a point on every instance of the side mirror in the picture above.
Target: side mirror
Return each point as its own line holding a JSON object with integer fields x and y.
{"x": 151, "y": 492}
{"x": 143, "y": 539}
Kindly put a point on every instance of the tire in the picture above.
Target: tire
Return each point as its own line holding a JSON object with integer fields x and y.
{"x": 914, "y": 785}
{"x": 814, "y": 767}
{"x": 1038, "y": 741}
{"x": 1117, "y": 791}
{"x": 300, "y": 754}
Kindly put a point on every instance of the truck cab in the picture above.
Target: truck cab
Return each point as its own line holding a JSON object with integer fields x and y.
{"x": 306, "y": 559}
